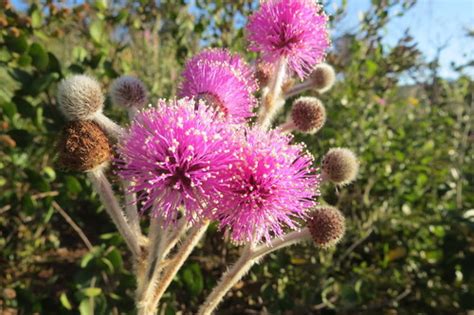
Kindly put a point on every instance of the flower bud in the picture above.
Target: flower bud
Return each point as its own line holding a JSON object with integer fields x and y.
{"x": 80, "y": 97}
{"x": 323, "y": 77}
{"x": 327, "y": 226}
{"x": 129, "y": 92}
{"x": 308, "y": 114}
{"x": 340, "y": 166}
{"x": 83, "y": 146}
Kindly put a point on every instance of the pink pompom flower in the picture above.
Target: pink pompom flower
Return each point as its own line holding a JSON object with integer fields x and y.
{"x": 271, "y": 185}
{"x": 175, "y": 155}
{"x": 222, "y": 80}
{"x": 291, "y": 29}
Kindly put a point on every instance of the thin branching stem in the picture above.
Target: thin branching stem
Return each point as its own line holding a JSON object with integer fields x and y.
{"x": 149, "y": 304}
{"x": 250, "y": 255}
{"x": 104, "y": 189}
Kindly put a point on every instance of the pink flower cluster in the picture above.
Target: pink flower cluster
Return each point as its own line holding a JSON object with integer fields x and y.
{"x": 195, "y": 157}
{"x": 181, "y": 158}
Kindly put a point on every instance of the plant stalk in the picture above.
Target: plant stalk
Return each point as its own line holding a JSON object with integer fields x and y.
{"x": 149, "y": 303}
{"x": 271, "y": 101}
{"x": 248, "y": 258}
{"x": 104, "y": 189}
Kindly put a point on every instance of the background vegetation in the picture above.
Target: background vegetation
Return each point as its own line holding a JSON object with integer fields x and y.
{"x": 409, "y": 246}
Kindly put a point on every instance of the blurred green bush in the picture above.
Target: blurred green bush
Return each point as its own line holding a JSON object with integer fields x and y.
{"x": 410, "y": 243}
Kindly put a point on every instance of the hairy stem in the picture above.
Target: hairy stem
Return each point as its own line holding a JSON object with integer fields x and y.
{"x": 175, "y": 237}
{"x": 110, "y": 127}
{"x": 287, "y": 126}
{"x": 104, "y": 189}
{"x": 154, "y": 236}
{"x": 299, "y": 88}
{"x": 149, "y": 303}
{"x": 228, "y": 280}
{"x": 271, "y": 100}
{"x": 131, "y": 209}
{"x": 248, "y": 258}
{"x": 278, "y": 243}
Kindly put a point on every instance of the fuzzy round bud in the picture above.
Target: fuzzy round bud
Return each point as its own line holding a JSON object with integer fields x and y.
{"x": 308, "y": 114}
{"x": 323, "y": 77}
{"x": 79, "y": 97}
{"x": 129, "y": 92}
{"x": 327, "y": 226}
{"x": 83, "y": 146}
{"x": 340, "y": 166}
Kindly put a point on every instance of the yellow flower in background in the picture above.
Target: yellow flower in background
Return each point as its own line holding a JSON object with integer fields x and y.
{"x": 413, "y": 101}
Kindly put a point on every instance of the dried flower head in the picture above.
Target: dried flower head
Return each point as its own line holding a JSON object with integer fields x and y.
{"x": 270, "y": 185}
{"x": 83, "y": 146}
{"x": 129, "y": 92}
{"x": 292, "y": 29}
{"x": 175, "y": 155}
{"x": 308, "y": 114}
{"x": 323, "y": 77}
{"x": 340, "y": 166}
{"x": 327, "y": 226}
{"x": 80, "y": 97}
{"x": 222, "y": 80}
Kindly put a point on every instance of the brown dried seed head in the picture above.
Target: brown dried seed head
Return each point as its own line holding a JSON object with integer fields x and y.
{"x": 327, "y": 226}
{"x": 340, "y": 166}
{"x": 308, "y": 114}
{"x": 83, "y": 146}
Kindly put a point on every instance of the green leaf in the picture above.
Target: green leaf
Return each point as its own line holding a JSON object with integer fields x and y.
{"x": 48, "y": 215}
{"x": 108, "y": 264}
{"x": 39, "y": 55}
{"x": 96, "y": 30}
{"x": 73, "y": 185}
{"x": 65, "y": 301}
{"x": 41, "y": 83}
{"x": 17, "y": 44}
{"x": 36, "y": 19}
{"x": 5, "y": 55}
{"x": 24, "y": 60}
{"x": 53, "y": 64}
{"x": 79, "y": 53}
{"x": 192, "y": 277}
{"x": 116, "y": 259}
{"x": 37, "y": 180}
{"x": 92, "y": 292}
{"x": 9, "y": 109}
{"x": 85, "y": 308}
{"x": 49, "y": 171}
{"x": 87, "y": 259}
{"x": 101, "y": 5}
{"x": 371, "y": 68}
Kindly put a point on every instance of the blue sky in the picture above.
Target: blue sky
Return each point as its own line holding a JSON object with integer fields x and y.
{"x": 431, "y": 22}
